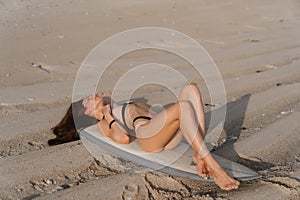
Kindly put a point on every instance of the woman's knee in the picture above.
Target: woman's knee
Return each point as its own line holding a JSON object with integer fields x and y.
{"x": 195, "y": 89}
{"x": 191, "y": 89}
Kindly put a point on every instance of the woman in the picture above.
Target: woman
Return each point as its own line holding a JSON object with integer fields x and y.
{"x": 154, "y": 131}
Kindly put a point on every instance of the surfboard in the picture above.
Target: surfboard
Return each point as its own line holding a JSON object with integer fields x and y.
{"x": 176, "y": 161}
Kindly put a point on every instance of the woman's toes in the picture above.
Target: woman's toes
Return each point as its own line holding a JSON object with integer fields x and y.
{"x": 225, "y": 187}
{"x": 233, "y": 186}
{"x": 229, "y": 186}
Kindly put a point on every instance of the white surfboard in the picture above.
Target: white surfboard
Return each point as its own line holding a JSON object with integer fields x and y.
{"x": 176, "y": 162}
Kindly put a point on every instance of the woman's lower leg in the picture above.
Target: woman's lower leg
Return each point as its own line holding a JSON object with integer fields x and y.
{"x": 206, "y": 164}
{"x": 192, "y": 94}
{"x": 190, "y": 130}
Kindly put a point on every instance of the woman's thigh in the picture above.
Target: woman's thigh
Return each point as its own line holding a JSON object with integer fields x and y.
{"x": 158, "y": 132}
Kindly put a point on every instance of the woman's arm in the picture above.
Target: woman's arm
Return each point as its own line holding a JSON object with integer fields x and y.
{"x": 115, "y": 132}
{"x": 103, "y": 127}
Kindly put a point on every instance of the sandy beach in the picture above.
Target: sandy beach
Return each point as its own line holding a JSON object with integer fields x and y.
{"x": 255, "y": 45}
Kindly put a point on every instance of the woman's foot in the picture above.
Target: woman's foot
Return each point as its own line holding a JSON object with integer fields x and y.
{"x": 221, "y": 178}
{"x": 201, "y": 166}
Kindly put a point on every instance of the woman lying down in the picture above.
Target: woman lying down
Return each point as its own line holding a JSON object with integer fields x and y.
{"x": 153, "y": 131}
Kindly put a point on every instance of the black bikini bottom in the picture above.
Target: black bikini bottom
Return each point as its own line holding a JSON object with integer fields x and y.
{"x": 128, "y": 130}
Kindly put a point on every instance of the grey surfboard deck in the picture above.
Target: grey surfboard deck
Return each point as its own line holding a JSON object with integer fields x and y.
{"x": 174, "y": 162}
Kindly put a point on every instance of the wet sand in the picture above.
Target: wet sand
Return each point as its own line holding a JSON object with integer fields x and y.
{"x": 255, "y": 45}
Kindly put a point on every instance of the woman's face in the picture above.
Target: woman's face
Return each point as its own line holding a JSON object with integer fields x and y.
{"x": 89, "y": 104}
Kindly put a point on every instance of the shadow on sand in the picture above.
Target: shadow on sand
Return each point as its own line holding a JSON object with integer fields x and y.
{"x": 233, "y": 128}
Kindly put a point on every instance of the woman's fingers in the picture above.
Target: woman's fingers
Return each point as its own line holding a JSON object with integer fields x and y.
{"x": 97, "y": 101}
{"x": 98, "y": 112}
{"x": 202, "y": 170}
{"x": 106, "y": 108}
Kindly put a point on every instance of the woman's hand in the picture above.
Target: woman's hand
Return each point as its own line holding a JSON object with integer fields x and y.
{"x": 106, "y": 109}
{"x": 98, "y": 108}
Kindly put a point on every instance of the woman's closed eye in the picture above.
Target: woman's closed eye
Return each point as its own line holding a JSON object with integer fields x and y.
{"x": 86, "y": 100}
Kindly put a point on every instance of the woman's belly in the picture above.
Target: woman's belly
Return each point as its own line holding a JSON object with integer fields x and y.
{"x": 117, "y": 113}
{"x": 133, "y": 110}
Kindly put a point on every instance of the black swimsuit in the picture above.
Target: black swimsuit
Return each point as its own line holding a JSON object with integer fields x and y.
{"x": 128, "y": 130}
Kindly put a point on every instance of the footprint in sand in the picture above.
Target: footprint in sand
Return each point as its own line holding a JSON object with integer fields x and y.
{"x": 130, "y": 192}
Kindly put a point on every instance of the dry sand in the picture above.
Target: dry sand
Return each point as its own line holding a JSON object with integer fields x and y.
{"x": 255, "y": 44}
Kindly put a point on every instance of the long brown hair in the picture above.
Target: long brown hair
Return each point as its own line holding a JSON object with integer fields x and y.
{"x": 74, "y": 119}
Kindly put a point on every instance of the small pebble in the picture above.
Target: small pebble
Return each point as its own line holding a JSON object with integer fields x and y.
{"x": 61, "y": 36}
{"x": 286, "y": 112}
{"x": 48, "y": 181}
{"x": 33, "y": 143}
{"x": 34, "y": 182}
{"x": 278, "y": 84}
{"x": 271, "y": 66}
{"x": 36, "y": 65}
{"x": 8, "y": 75}
{"x": 38, "y": 188}
{"x": 59, "y": 188}
{"x": 232, "y": 137}
{"x": 214, "y": 144}
{"x": 31, "y": 99}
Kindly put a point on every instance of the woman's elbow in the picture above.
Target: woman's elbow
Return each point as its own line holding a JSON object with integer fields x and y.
{"x": 124, "y": 140}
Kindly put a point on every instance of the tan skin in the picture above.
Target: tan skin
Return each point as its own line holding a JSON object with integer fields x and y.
{"x": 165, "y": 130}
